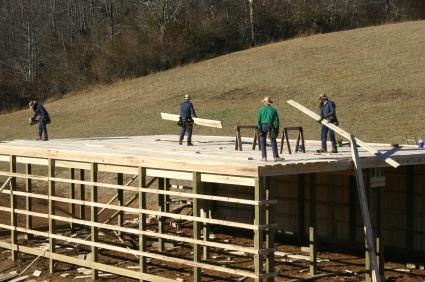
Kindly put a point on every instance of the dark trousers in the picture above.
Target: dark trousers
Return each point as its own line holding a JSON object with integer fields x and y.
{"x": 183, "y": 130}
{"x": 265, "y": 129}
{"x": 42, "y": 130}
{"x": 324, "y": 137}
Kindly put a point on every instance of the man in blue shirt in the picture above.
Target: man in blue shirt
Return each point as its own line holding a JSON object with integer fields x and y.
{"x": 328, "y": 112}
{"x": 187, "y": 112}
{"x": 42, "y": 116}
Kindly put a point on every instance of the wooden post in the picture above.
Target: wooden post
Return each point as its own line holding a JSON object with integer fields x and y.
{"x": 13, "y": 216}
{"x": 312, "y": 228}
{"x": 120, "y": 196}
{"x": 353, "y": 208}
{"x": 161, "y": 208}
{"x": 167, "y": 197}
{"x": 82, "y": 196}
{"x": 196, "y": 187}
{"x": 142, "y": 219}
{"x": 205, "y": 210}
{"x": 301, "y": 207}
{"x": 28, "y": 200}
{"x": 72, "y": 196}
{"x": 410, "y": 207}
{"x": 259, "y": 219}
{"x": 270, "y": 219}
{"x": 51, "y": 193}
{"x": 365, "y": 210}
{"x": 93, "y": 217}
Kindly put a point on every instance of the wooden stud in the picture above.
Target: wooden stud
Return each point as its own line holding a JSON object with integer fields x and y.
{"x": 72, "y": 196}
{"x": 13, "y": 206}
{"x": 196, "y": 188}
{"x": 352, "y": 208}
{"x": 161, "y": 208}
{"x": 301, "y": 207}
{"x": 142, "y": 220}
{"x": 52, "y": 222}
{"x": 313, "y": 250}
{"x": 270, "y": 235}
{"x": 94, "y": 218}
{"x": 82, "y": 195}
{"x": 312, "y": 228}
{"x": 259, "y": 219}
{"x": 410, "y": 208}
{"x": 205, "y": 211}
{"x": 28, "y": 200}
{"x": 120, "y": 197}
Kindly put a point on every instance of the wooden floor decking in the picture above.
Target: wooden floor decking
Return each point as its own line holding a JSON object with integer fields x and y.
{"x": 210, "y": 154}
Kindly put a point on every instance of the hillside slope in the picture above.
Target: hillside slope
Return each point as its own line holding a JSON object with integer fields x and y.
{"x": 375, "y": 75}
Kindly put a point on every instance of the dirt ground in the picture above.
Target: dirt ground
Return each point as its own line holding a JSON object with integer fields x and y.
{"x": 335, "y": 267}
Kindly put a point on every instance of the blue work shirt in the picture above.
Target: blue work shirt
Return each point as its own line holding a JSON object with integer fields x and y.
{"x": 187, "y": 110}
{"x": 40, "y": 112}
{"x": 328, "y": 111}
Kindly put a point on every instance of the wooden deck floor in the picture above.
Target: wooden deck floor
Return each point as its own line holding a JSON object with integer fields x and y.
{"x": 212, "y": 154}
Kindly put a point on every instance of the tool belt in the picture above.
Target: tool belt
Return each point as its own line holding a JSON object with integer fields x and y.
{"x": 273, "y": 131}
{"x": 188, "y": 121}
{"x": 333, "y": 120}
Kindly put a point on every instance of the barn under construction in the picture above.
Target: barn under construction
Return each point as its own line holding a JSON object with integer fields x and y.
{"x": 77, "y": 191}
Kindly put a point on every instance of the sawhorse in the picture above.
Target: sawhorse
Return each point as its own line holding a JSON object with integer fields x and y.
{"x": 238, "y": 139}
{"x": 300, "y": 137}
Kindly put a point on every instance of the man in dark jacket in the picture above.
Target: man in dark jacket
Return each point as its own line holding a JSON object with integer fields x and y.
{"x": 268, "y": 124}
{"x": 41, "y": 116}
{"x": 328, "y": 112}
{"x": 187, "y": 112}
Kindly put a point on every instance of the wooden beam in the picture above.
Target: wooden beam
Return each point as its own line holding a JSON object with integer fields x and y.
{"x": 72, "y": 195}
{"x": 13, "y": 206}
{"x": 82, "y": 194}
{"x": 271, "y": 232}
{"x": 51, "y": 193}
{"x": 94, "y": 218}
{"x": 142, "y": 220}
{"x": 197, "y": 121}
{"x": 259, "y": 219}
{"x": 196, "y": 187}
{"x": 161, "y": 208}
{"x": 365, "y": 211}
{"x": 343, "y": 133}
{"x": 28, "y": 200}
{"x": 120, "y": 197}
{"x": 312, "y": 227}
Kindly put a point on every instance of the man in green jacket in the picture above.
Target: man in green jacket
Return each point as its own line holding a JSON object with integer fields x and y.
{"x": 268, "y": 123}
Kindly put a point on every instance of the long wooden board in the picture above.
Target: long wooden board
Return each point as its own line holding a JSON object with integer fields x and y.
{"x": 343, "y": 133}
{"x": 198, "y": 121}
{"x": 364, "y": 208}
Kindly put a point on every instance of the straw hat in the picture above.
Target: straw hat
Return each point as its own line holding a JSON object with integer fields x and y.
{"x": 187, "y": 97}
{"x": 323, "y": 97}
{"x": 267, "y": 100}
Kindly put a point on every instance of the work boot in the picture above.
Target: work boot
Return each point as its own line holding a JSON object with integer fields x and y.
{"x": 279, "y": 159}
{"x": 180, "y": 142}
{"x": 189, "y": 144}
{"x": 334, "y": 151}
{"x": 322, "y": 151}
{"x": 263, "y": 159}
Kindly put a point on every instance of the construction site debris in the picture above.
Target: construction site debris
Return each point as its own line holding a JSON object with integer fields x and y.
{"x": 36, "y": 273}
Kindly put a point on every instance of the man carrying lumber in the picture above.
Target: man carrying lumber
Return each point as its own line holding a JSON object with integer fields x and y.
{"x": 328, "y": 112}
{"x": 268, "y": 123}
{"x": 42, "y": 117}
{"x": 187, "y": 112}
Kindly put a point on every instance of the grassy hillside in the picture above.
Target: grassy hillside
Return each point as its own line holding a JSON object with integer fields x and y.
{"x": 375, "y": 75}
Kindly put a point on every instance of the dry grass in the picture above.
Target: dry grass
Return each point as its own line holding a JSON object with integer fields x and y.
{"x": 375, "y": 75}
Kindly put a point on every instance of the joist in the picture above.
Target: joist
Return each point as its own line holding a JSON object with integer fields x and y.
{"x": 343, "y": 133}
{"x": 5, "y": 183}
{"x": 198, "y": 121}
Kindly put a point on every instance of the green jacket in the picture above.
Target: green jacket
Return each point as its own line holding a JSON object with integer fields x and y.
{"x": 268, "y": 114}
